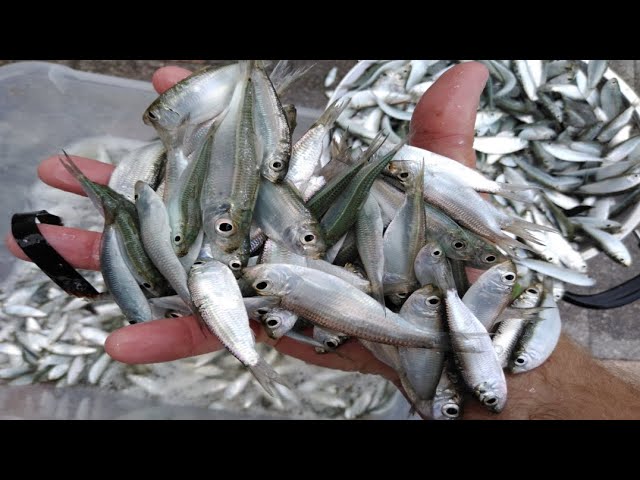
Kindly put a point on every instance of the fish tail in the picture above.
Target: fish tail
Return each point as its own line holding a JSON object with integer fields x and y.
{"x": 72, "y": 168}
{"x": 266, "y": 375}
{"x": 331, "y": 114}
{"x": 283, "y": 76}
{"x": 85, "y": 184}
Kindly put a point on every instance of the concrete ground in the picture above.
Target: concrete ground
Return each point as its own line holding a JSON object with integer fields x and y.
{"x": 612, "y": 335}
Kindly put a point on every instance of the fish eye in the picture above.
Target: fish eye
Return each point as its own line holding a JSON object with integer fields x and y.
{"x": 198, "y": 262}
{"x": 433, "y": 300}
{"x": 146, "y": 285}
{"x": 273, "y": 322}
{"x": 174, "y": 314}
{"x": 308, "y": 238}
{"x": 152, "y": 115}
{"x": 520, "y": 361}
{"x": 277, "y": 165}
{"x": 451, "y": 411}
{"x": 224, "y": 227}
{"x": 402, "y": 295}
{"x": 490, "y": 258}
{"x": 331, "y": 344}
{"x": 533, "y": 291}
{"x": 262, "y": 311}
{"x": 404, "y": 175}
{"x": 458, "y": 245}
{"x": 177, "y": 239}
{"x": 508, "y": 277}
{"x": 436, "y": 253}
{"x": 261, "y": 285}
{"x": 235, "y": 265}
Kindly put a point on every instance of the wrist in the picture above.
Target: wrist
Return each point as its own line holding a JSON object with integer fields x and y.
{"x": 570, "y": 385}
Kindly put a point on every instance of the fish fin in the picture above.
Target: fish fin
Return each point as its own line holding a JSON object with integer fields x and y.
{"x": 266, "y": 375}
{"x": 283, "y": 76}
{"x": 82, "y": 179}
{"x": 517, "y": 196}
{"x": 416, "y": 404}
{"x": 331, "y": 114}
{"x": 519, "y": 227}
{"x": 506, "y": 243}
{"x": 523, "y": 234}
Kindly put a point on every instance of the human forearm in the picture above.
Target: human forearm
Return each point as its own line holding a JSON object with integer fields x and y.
{"x": 570, "y": 385}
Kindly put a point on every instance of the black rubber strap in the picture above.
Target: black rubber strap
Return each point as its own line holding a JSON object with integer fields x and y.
{"x": 625, "y": 288}
{"x": 595, "y": 302}
{"x": 28, "y": 237}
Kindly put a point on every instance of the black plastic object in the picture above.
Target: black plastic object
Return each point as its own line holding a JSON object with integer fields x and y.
{"x": 28, "y": 237}
{"x": 619, "y": 296}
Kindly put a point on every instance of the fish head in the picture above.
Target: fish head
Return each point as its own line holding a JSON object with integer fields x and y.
{"x": 487, "y": 257}
{"x": 180, "y": 246}
{"x": 161, "y": 116}
{"x": 269, "y": 279}
{"x": 223, "y": 229}
{"x": 460, "y": 247}
{"x": 622, "y": 257}
{"x": 425, "y": 302}
{"x": 330, "y": 340}
{"x": 526, "y": 358}
{"x": 404, "y": 171}
{"x": 399, "y": 298}
{"x": 492, "y": 394}
{"x": 307, "y": 239}
{"x": 503, "y": 276}
{"x": 258, "y": 307}
{"x": 558, "y": 290}
{"x": 278, "y": 322}
{"x": 274, "y": 170}
{"x": 145, "y": 199}
{"x": 430, "y": 255}
{"x": 523, "y": 360}
{"x": 529, "y": 297}
{"x": 446, "y": 405}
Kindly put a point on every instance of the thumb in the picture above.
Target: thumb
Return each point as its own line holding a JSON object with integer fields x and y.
{"x": 444, "y": 119}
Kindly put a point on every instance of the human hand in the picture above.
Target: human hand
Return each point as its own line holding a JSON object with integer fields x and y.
{"x": 443, "y": 122}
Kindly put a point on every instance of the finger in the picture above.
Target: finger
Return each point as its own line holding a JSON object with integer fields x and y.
{"x": 444, "y": 119}
{"x": 81, "y": 248}
{"x": 161, "y": 341}
{"x": 174, "y": 338}
{"x": 166, "y": 77}
{"x": 53, "y": 173}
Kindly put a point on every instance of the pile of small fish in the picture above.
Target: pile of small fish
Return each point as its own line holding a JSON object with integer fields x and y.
{"x": 215, "y": 381}
{"x": 562, "y": 125}
{"x": 324, "y": 240}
